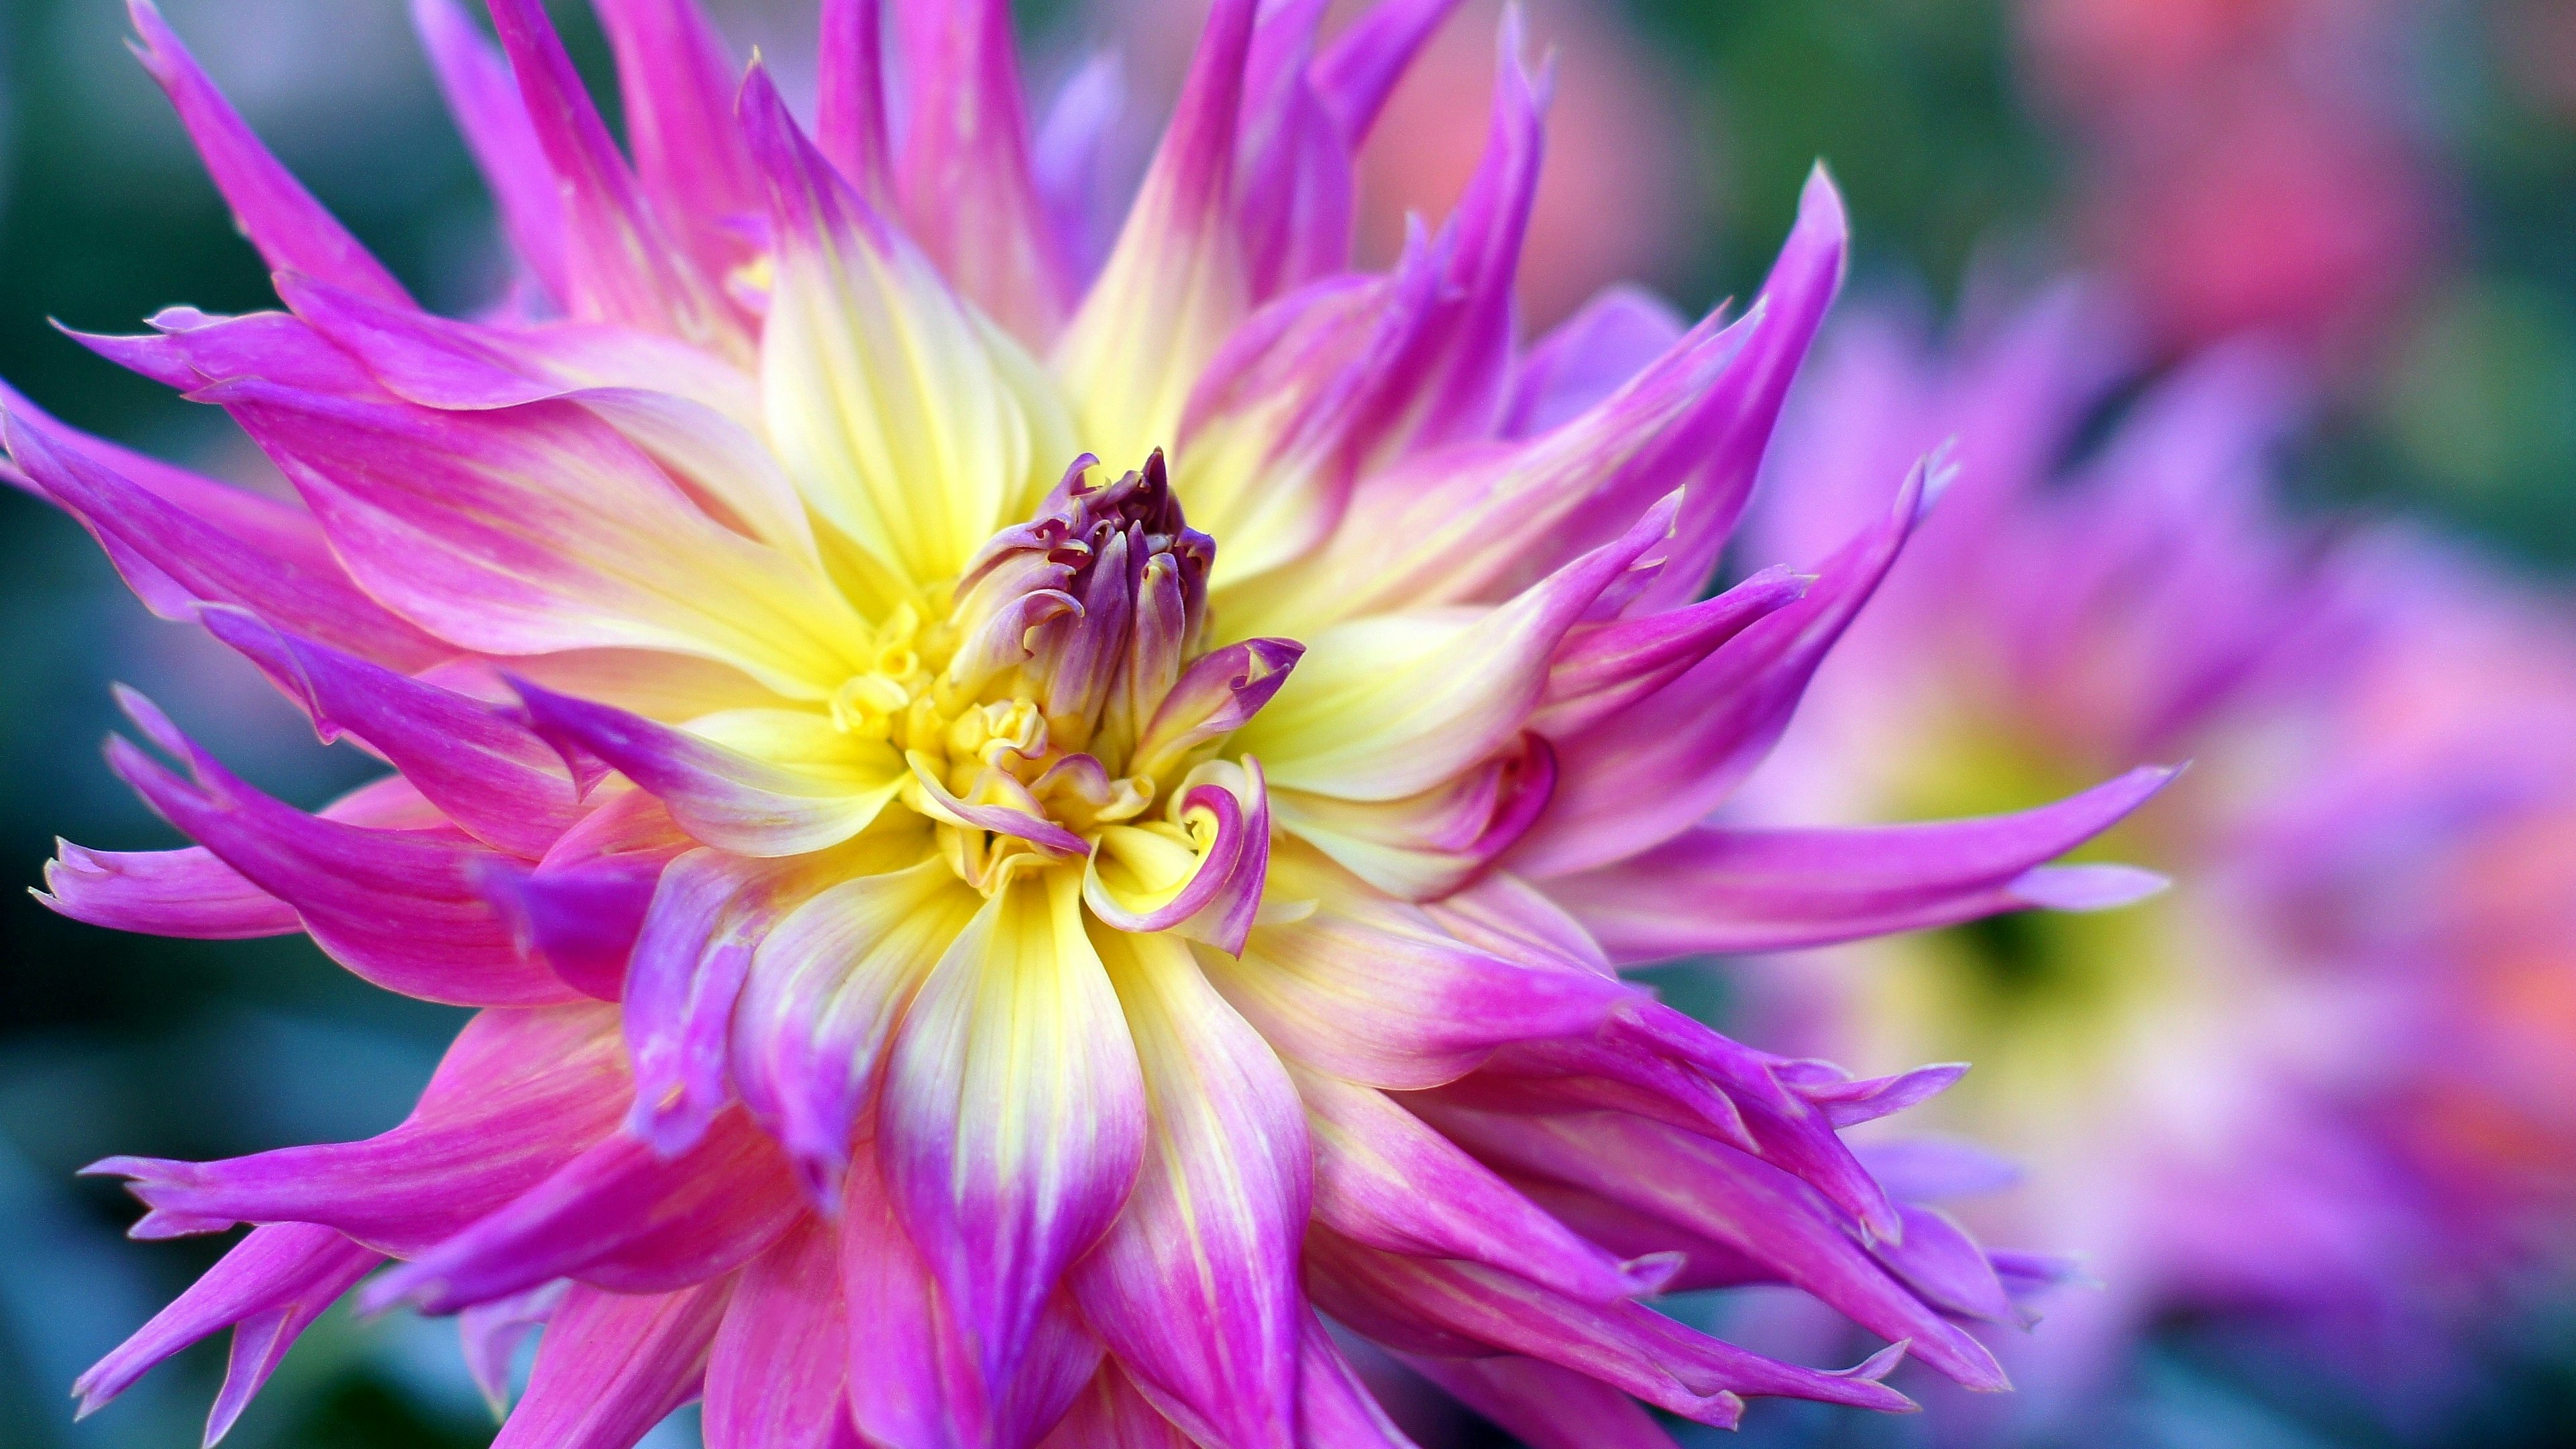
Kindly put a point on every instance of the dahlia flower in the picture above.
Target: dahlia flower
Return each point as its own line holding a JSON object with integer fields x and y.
{"x": 976, "y": 945}
{"x": 2314, "y": 1090}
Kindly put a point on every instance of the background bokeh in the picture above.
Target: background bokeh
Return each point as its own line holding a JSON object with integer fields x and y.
{"x": 2390, "y": 185}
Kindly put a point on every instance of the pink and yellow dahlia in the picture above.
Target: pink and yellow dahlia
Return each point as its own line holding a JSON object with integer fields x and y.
{"x": 975, "y": 946}
{"x": 2316, "y": 1100}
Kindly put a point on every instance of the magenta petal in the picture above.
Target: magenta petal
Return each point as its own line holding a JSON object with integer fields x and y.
{"x": 916, "y": 1385}
{"x": 402, "y": 908}
{"x": 619, "y": 1217}
{"x": 1194, "y": 1288}
{"x": 181, "y": 540}
{"x": 678, "y": 81}
{"x": 614, "y": 1365}
{"x": 1717, "y": 889}
{"x": 1384, "y": 1178}
{"x": 1589, "y": 356}
{"x": 189, "y": 893}
{"x": 968, "y": 192}
{"x": 281, "y": 218}
{"x": 520, "y": 1094}
{"x": 708, "y": 912}
{"x": 774, "y": 1375}
{"x": 850, "y": 113}
{"x": 722, "y": 796}
{"x": 1215, "y": 696}
{"x": 1013, "y": 1117}
{"x": 1604, "y": 668}
{"x": 1335, "y": 1410}
{"x": 484, "y": 98}
{"x": 1544, "y": 1406}
{"x": 1111, "y": 1413}
{"x": 494, "y": 778}
{"x": 268, "y": 1290}
{"x": 1940, "y": 1261}
{"x": 1741, "y": 1201}
{"x": 620, "y": 264}
{"x": 1651, "y": 772}
{"x": 489, "y": 1334}
{"x": 1359, "y": 69}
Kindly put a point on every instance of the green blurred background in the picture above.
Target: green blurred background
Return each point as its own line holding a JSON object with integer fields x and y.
{"x": 2437, "y": 298}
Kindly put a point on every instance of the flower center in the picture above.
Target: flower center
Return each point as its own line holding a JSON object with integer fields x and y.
{"x": 1033, "y": 715}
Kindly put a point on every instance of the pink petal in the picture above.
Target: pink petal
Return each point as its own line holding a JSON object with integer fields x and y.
{"x": 1194, "y": 1289}
{"x": 775, "y": 1372}
{"x": 613, "y": 1366}
{"x": 280, "y": 217}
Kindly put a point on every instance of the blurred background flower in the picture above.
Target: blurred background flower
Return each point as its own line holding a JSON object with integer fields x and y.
{"x": 2385, "y": 190}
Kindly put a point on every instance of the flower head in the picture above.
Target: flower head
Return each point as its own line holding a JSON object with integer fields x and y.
{"x": 2322, "y": 1116}
{"x": 974, "y": 945}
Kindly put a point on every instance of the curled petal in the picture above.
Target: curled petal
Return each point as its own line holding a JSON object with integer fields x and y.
{"x": 189, "y": 893}
{"x": 1200, "y": 874}
{"x": 1214, "y": 697}
{"x": 1604, "y": 668}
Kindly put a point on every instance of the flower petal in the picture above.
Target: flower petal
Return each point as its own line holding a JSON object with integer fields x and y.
{"x": 1652, "y": 771}
{"x": 968, "y": 191}
{"x": 533, "y": 529}
{"x": 401, "y": 908}
{"x": 483, "y": 97}
{"x": 1587, "y": 357}
{"x": 496, "y": 779}
{"x": 279, "y": 216}
{"x": 519, "y": 1094}
{"x": 1384, "y": 1178}
{"x": 1542, "y": 1405}
{"x": 180, "y": 540}
{"x": 1014, "y": 1116}
{"x": 678, "y": 83}
{"x": 850, "y": 108}
{"x": 1194, "y": 1289}
{"x": 620, "y": 263}
{"x": 1391, "y": 706}
{"x": 807, "y": 789}
{"x": 619, "y": 1217}
{"x": 613, "y": 1365}
{"x": 188, "y": 893}
{"x": 268, "y": 1290}
{"x": 1717, "y": 889}
{"x": 910, "y": 423}
{"x": 775, "y": 1372}
{"x": 1174, "y": 285}
{"x": 917, "y": 1386}
{"x": 1369, "y": 989}
{"x": 827, "y": 986}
